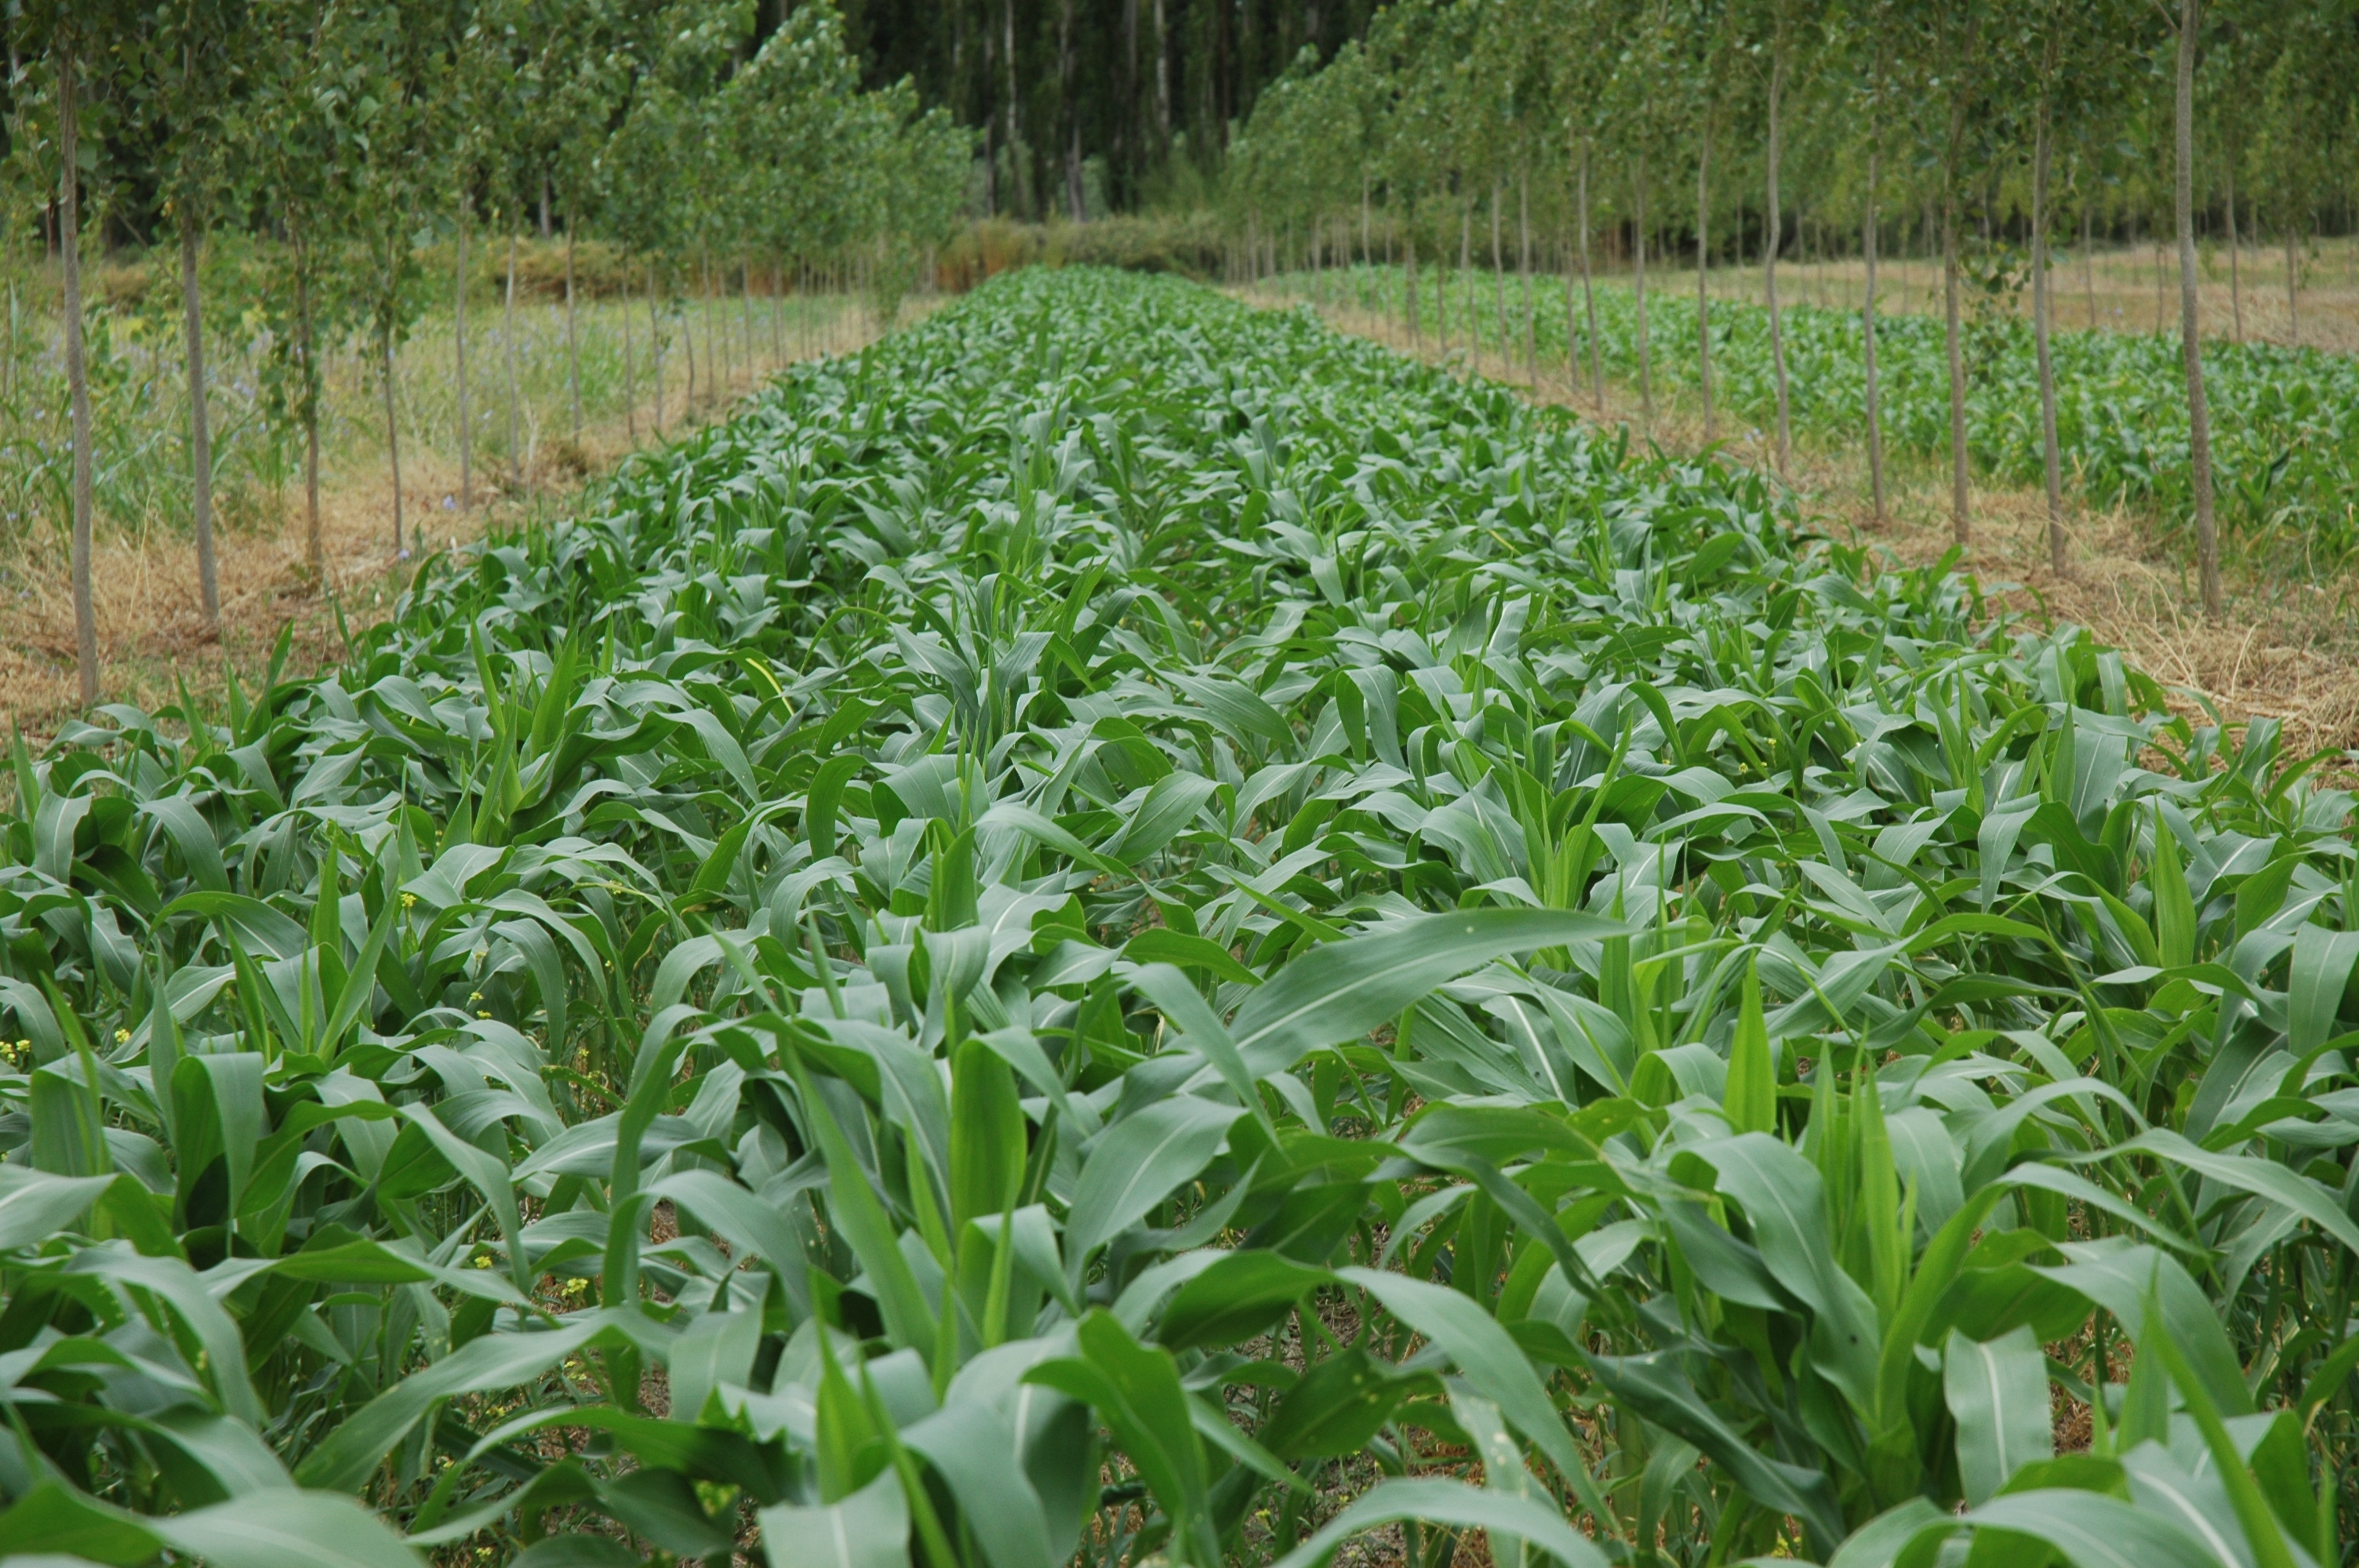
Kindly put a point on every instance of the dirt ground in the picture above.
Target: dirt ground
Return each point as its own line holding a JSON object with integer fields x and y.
{"x": 2285, "y": 648}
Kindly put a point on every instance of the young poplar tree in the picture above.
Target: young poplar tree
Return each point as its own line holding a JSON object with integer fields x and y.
{"x": 638, "y": 174}
{"x": 2199, "y": 415}
{"x": 1864, "y": 28}
{"x": 479, "y": 73}
{"x": 1948, "y": 44}
{"x": 298, "y": 142}
{"x": 1578, "y": 70}
{"x": 2072, "y": 59}
{"x": 401, "y": 129}
{"x": 79, "y": 36}
{"x": 189, "y": 75}
{"x": 1707, "y": 58}
{"x": 1783, "y": 34}
{"x": 1641, "y": 90}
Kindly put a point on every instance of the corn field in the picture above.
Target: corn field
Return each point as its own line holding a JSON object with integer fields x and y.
{"x": 1124, "y": 930}
{"x": 2284, "y": 421}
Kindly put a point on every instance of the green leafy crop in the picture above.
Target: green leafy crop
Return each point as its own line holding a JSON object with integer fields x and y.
{"x": 2285, "y": 421}
{"x": 1124, "y": 927}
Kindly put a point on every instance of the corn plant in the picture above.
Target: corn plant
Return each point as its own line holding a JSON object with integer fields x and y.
{"x": 2285, "y": 435}
{"x": 1123, "y": 928}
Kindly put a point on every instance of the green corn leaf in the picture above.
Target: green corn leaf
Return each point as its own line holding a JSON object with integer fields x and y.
{"x": 2315, "y": 980}
{"x": 870, "y": 1529}
{"x": 1997, "y": 1393}
{"x": 36, "y": 1203}
{"x": 1235, "y": 1299}
{"x": 1136, "y": 1164}
{"x": 2263, "y": 1534}
{"x": 867, "y": 1226}
{"x": 2090, "y": 1530}
{"x": 1436, "y": 1501}
{"x": 1752, "y": 1094}
{"x": 346, "y": 1455}
{"x": 1341, "y": 990}
{"x": 1136, "y": 1390}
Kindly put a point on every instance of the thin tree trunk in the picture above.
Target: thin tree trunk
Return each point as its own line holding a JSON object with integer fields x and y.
{"x": 1162, "y": 80}
{"x": 630, "y": 368}
{"x": 1867, "y": 333}
{"x": 1523, "y": 261}
{"x": 1383, "y": 284}
{"x": 716, "y": 341}
{"x": 1638, "y": 253}
{"x": 1410, "y": 274}
{"x": 77, "y": 373}
{"x": 458, "y": 339}
{"x": 508, "y": 341}
{"x": 688, "y": 349}
{"x": 2052, "y": 466}
{"x": 1589, "y": 289}
{"x": 2235, "y": 283}
{"x": 200, "y": 438}
{"x": 1440, "y": 291}
{"x": 1473, "y": 321}
{"x": 1498, "y": 274}
{"x": 654, "y": 348}
{"x": 2089, "y": 264}
{"x": 1567, "y": 254}
{"x": 309, "y": 350}
{"x": 1954, "y": 351}
{"x": 1704, "y": 263}
{"x": 2199, "y": 418}
{"x": 2293, "y": 280}
{"x": 572, "y": 342}
{"x": 392, "y": 441}
{"x": 1769, "y": 271}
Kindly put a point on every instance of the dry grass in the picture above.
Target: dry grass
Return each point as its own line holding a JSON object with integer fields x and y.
{"x": 152, "y": 635}
{"x": 2285, "y": 648}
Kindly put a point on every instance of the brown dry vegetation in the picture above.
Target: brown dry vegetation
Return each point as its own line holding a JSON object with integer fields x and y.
{"x": 2287, "y": 649}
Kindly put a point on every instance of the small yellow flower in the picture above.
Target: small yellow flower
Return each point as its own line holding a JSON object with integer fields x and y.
{"x": 123, "y": 1037}
{"x": 475, "y": 996}
{"x": 482, "y": 1013}
{"x": 410, "y": 900}
{"x": 483, "y": 1260}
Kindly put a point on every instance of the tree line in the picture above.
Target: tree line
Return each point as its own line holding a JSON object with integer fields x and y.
{"x": 346, "y": 140}
{"x": 1083, "y": 107}
{"x": 1672, "y": 128}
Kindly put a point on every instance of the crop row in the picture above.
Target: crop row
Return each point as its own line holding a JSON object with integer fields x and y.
{"x": 1127, "y": 928}
{"x": 2284, "y": 422}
